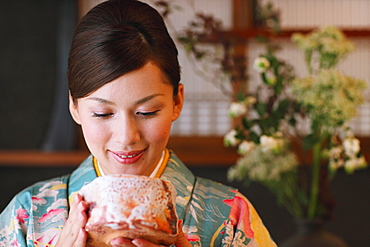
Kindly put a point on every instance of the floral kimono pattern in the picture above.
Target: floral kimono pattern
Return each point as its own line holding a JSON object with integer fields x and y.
{"x": 213, "y": 214}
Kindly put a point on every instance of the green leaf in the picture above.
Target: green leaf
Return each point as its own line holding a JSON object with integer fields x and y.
{"x": 240, "y": 134}
{"x": 283, "y": 105}
{"x": 292, "y": 121}
{"x": 240, "y": 96}
{"x": 246, "y": 123}
{"x": 261, "y": 109}
{"x": 264, "y": 78}
{"x": 279, "y": 85}
{"x": 254, "y": 137}
{"x": 269, "y": 124}
{"x": 182, "y": 39}
{"x": 263, "y": 125}
{"x": 309, "y": 141}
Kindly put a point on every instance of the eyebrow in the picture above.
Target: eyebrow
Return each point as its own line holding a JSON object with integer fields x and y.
{"x": 145, "y": 99}
{"x": 101, "y": 100}
{"x": 138, "y": 102}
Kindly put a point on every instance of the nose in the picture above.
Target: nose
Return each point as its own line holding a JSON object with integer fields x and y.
{"x": 127, "y": 132}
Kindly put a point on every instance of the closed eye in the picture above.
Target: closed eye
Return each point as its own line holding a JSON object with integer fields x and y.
{"x": 102, "y": 115}
{"x": 147, "y": 114}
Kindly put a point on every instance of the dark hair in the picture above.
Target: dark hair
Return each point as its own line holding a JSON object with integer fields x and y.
{"x": 117, "y": 37}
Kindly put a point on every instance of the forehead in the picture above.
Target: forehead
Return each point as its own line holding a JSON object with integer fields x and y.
{"x": 137, "y": 84}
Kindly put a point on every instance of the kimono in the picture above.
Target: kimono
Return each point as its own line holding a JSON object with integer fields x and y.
{"x": 213, "y": 214}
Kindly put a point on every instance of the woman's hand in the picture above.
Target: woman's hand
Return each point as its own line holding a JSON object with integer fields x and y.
{"x": 73, "y": 233}
{"x": 121, "y": 242}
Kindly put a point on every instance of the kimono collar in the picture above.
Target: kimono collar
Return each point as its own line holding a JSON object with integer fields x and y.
{"x": 84, "y": 174}
{"x": 157, "y": 172}
{"x": 183, "y": 180}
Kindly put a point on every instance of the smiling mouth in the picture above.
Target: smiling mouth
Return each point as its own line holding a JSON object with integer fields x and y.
{"x": 128, "y": 157}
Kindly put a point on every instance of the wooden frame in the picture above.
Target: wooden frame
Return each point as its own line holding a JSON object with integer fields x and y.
{"x": 193, "y": 151}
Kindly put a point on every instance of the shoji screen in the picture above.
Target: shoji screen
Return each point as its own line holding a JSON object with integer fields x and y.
{"x": 205, "y": 108}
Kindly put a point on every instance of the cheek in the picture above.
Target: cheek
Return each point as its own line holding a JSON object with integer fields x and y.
{"x": 94, "y": 135}
{"x": 161, "y": 132}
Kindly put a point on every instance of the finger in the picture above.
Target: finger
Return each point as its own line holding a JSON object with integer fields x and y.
{"x": 122, "y": 242}
{"x": 182, "y": 241}
{"x": 142, "y": 242}
{"x": 76, "y": 221}
{"x": 78, "y": 206}
{"x": 81, "y": 239}
{"x": 76, "y": 200}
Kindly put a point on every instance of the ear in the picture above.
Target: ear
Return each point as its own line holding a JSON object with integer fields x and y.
{"x": 73, "y": 110}
{"x": 179, "y": 102}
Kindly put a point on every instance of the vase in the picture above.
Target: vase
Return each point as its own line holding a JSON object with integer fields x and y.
{"x": 313, "y": 233}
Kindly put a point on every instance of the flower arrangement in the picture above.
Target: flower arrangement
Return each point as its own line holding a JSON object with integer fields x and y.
{"x": 313, "y": 111}
{"x": 285, "y": 111}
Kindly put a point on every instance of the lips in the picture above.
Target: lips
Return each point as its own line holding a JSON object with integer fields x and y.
{"x": 128, "y": 157}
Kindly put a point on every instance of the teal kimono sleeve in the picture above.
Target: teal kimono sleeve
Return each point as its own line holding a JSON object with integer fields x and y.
{"x": 14, "y": 222}
{"x": 36, "y": 216}
{"x": 244, "y": 226}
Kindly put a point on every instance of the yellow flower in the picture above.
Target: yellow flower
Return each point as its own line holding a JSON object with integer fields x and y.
{"x": 250, "y": 100}
{"x": 332, "y": 98}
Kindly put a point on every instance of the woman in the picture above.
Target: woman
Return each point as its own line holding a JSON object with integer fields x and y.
{"x": 123, "y": 77}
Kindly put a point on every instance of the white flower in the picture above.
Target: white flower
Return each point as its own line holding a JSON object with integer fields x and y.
{"x": 233, "y": 173}
{"x": 246, "y": 147}
{"x": 229, "y": 233}
{"x": 6, "y": 234}
{"x": 335, "y": 152}
{"x": 261, "y": 64}
{"x": 351, "y": 147}
{"x": 354, "y": 164}
{"x": 239, "y": 239}
{"x": 263, "y": 166}
{"x": 237, "y": 109}
{"x": 334, "y": 164}
{"x": 269, "y": 143}
{"x": 230, "y": 139}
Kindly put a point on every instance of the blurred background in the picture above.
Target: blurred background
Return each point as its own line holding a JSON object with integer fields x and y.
{"x": 38, "y": 139}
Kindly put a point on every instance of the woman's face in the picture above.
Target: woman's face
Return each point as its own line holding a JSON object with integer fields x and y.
{"x": 126, "y": 123}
